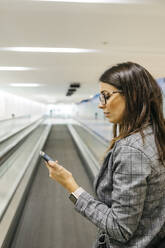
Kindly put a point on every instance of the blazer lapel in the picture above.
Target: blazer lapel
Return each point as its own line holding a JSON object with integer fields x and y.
{"x": 101, "y": 171}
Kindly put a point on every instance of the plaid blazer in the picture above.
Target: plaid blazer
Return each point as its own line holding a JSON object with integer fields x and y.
{"x": 129, "y": 206}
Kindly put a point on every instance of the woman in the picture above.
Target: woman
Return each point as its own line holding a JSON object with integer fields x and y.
{"x": 130, "y": 207}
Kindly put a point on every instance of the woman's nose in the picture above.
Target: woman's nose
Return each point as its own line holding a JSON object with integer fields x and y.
{"x": 100, "y": 106}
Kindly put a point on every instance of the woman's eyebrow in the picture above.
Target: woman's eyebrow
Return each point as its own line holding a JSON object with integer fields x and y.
{"x": 104, "y": 91}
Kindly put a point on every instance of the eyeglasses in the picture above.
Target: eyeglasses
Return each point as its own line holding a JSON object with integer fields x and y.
{"x": 103, "y": 97}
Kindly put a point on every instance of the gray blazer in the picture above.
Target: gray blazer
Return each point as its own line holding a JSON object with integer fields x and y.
{"x": 130, "y": 207}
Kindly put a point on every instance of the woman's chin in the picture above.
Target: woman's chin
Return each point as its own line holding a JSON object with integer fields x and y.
{"x": 111, "y": 120}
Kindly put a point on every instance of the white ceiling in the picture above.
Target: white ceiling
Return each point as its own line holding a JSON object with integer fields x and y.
{"x": 119, "y": 32}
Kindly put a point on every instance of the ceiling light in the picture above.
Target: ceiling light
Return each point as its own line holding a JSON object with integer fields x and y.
{"x": 10, "y": 68}
{"x": 24, "y": 85}
{"x": 96, "y": 1}
{"x": 47, "y": 49}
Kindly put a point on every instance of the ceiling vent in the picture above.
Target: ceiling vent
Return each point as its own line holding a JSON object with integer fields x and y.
{"x": 73, "y": 88}
{"x": 75, "y": 85}
{"x": 68, "y": 94}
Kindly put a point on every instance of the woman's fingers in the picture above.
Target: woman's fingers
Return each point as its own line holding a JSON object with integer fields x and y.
{"x": 54, "y": 165}
{"x": 59, "y": 173}
{"x": 51, "y": 164}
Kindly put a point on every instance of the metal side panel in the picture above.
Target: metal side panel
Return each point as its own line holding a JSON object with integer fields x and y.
{"x": 11, "y": 214}
{"x": 91, "y": 162}
{"x": 8, "y": 146}
{"x": 13, "y": 131}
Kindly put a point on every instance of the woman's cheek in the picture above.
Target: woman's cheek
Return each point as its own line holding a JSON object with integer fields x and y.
{"x": 114, "y": 104}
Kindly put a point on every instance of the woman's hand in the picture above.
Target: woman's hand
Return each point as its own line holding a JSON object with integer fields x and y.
{"x": 62, "y": 176}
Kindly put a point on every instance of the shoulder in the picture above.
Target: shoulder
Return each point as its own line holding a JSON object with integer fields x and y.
{"x": 135, "y": 142}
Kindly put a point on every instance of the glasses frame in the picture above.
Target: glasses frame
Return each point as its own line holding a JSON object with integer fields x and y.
{"x": 106, "y": 96}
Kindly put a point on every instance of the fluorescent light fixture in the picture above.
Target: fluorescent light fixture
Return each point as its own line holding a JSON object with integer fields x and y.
{"x": 24, "y": 85}
{"x": 11, "y": 68}
{"x": 96, "y": 1}
{"x": 47, "y": 49}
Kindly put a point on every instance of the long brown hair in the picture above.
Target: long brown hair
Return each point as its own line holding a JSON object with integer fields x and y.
{"x": 144, "y": 103}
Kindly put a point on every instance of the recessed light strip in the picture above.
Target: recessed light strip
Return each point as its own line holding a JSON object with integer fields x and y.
{"x": 11, "y": 68}
{"x": 97, "y": 1}
{"x": 24, "y": 85}
{"x": 47, "y": 50}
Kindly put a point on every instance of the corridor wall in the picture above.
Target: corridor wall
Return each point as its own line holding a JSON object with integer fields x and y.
{"x": 13, "y": 106}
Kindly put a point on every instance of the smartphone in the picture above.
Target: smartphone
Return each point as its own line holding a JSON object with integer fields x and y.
{"x": 45, "y": 156}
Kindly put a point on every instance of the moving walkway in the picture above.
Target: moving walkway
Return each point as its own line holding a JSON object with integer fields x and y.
{"x": 38, "y": 212}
